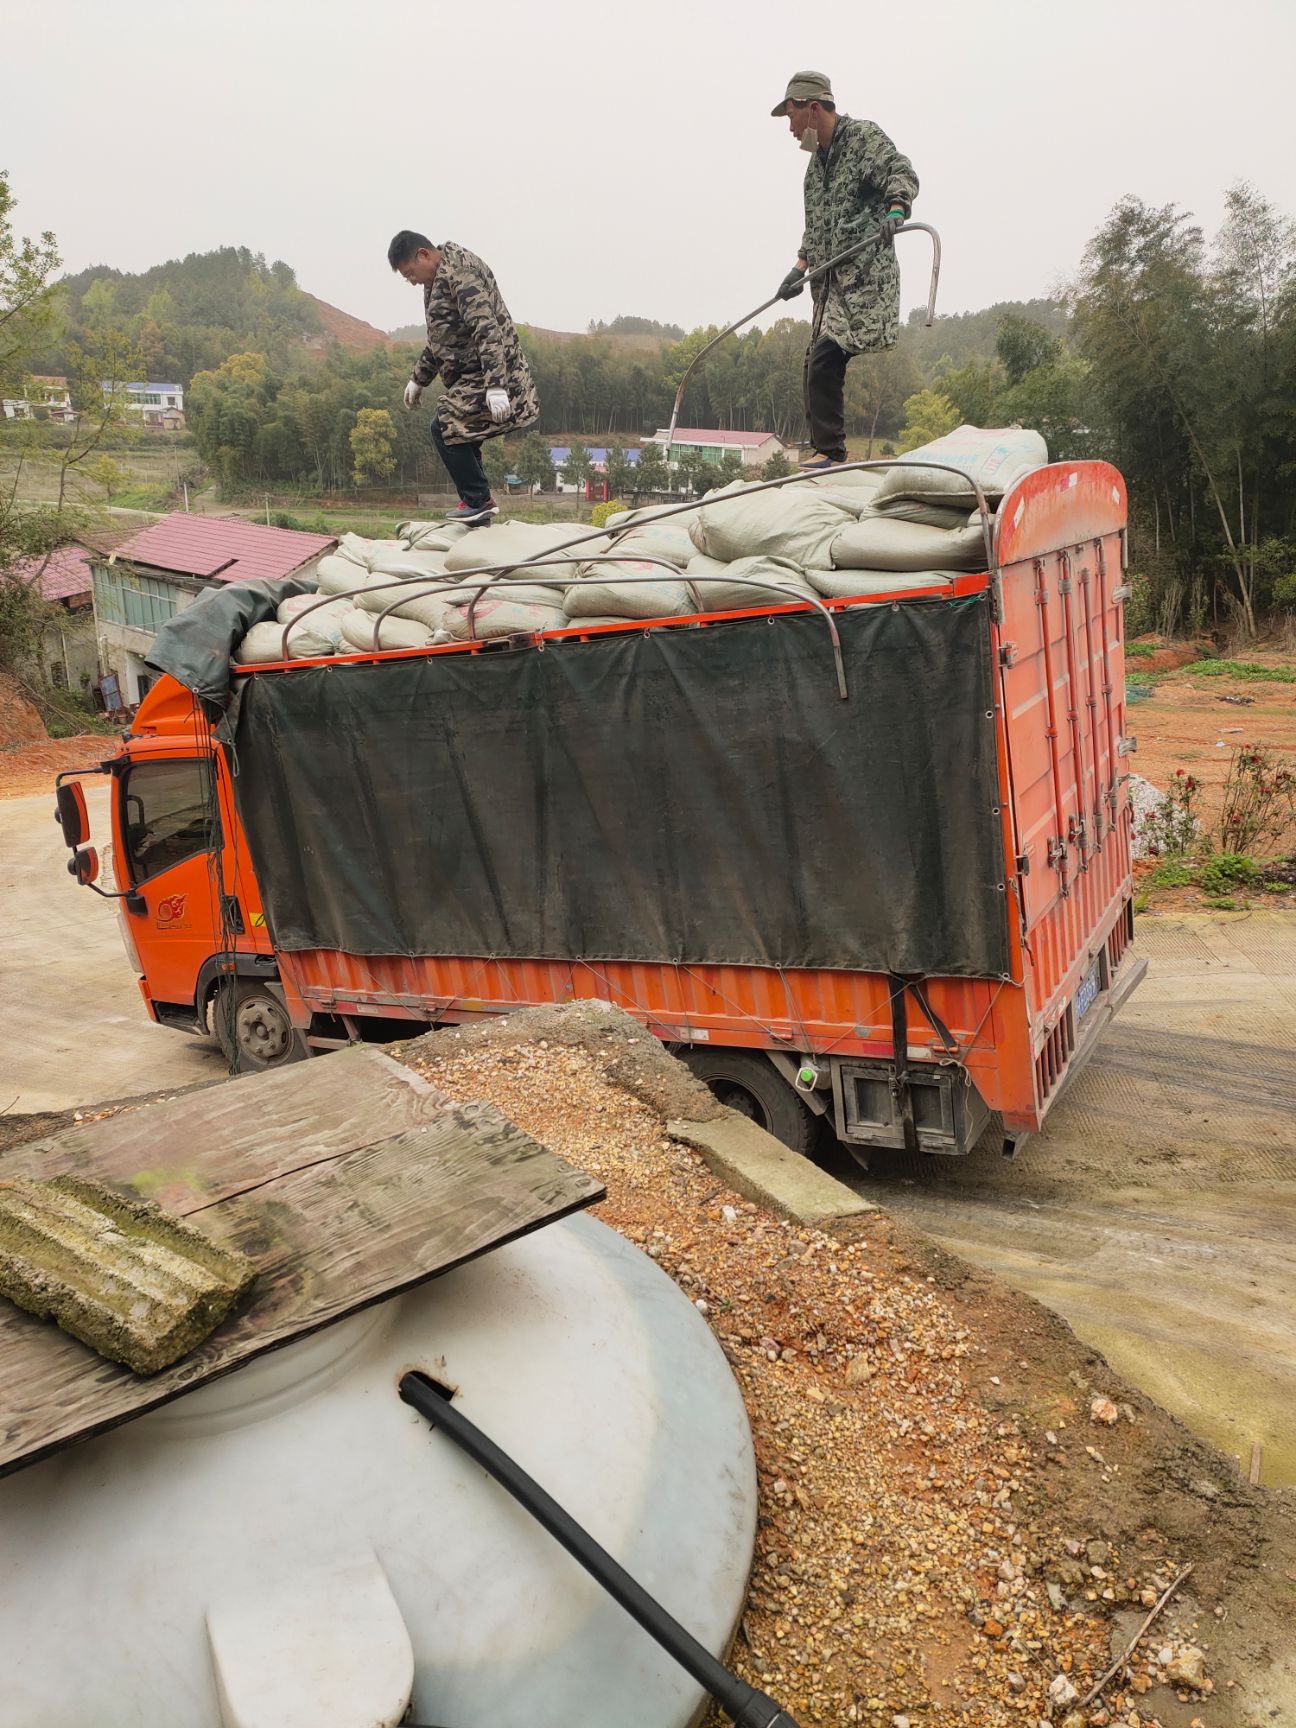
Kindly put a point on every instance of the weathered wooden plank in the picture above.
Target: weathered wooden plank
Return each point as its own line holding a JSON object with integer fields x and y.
{"x": 187, "y": 1151}
{"x": 332, "y": 1229}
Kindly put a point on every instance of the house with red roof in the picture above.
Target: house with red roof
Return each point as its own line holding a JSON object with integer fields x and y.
{"x": 166, "y": 566}
{"x": 755, "y": 448}
{"x": 67, "y": 657}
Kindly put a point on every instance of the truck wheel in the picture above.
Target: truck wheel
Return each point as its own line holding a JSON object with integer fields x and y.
{"x": 750, "y": 1084}
{"x": 253, "y": 1027}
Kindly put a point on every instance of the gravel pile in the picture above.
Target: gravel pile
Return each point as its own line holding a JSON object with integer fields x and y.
{"x": 901, "y": 1578}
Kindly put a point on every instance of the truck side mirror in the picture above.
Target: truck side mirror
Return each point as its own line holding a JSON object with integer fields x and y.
{"x": 84, "y": 865}
{"x": 71, "y": 814}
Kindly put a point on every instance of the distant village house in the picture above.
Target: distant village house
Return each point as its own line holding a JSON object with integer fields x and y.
{"x": 164, "y": 568}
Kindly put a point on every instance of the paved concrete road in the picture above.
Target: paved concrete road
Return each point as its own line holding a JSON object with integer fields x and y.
{"x": 72, "y": 1026}
{"x": 1157, "y": 1212}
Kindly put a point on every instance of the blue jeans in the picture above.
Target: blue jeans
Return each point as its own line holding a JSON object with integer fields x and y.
{"x": 464, "y": 465}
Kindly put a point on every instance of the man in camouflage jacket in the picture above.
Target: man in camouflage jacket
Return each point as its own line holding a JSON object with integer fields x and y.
{"x": 473, "y": 347}
{"x": 857, "y": 187}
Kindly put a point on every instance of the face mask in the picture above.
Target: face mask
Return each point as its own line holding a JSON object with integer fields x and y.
{"x": 810, "y": 140}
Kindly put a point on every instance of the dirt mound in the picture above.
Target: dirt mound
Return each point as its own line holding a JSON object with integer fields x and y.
{"x": 350, "y": 333}
{"x": 965, "y": 1515}
{"x": 19, "y": 721}
{"x": 29, "y": 768}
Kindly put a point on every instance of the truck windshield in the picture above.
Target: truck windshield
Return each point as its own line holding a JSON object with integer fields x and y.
{"x": 170, "y": 814}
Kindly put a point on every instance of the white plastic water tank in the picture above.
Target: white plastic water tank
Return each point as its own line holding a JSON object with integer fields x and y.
{"x": 285, "y": 1502}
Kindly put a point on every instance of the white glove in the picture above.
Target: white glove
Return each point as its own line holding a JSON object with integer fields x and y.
{"x": 413, "y": 390}
{"x": 498, "y": 403}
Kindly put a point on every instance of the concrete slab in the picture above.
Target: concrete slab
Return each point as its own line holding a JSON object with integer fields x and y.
{"x": 761, "y": 1168}
{"x": 74, "y": 1029}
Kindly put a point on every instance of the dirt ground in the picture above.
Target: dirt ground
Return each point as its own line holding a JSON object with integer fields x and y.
{"x": 1194, "y": 720}
{"x": 947, "y": 1534}
{"x": 30, "y": 768}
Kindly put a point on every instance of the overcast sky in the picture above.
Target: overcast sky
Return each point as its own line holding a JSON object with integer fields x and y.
{"x": 610, "y": 158}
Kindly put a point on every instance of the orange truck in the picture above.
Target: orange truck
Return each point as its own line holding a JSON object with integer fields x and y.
{"x": 864, "y": 865}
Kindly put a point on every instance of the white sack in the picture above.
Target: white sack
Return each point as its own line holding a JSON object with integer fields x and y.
{"x": 340, "y": 575}
{"x": 729, "y": 587}
{"x": 677, "y": 518}
{"x": 501, "y": 614}
{"x": 262, "y": 645}
{"x": 361, "y": 630}
{"x": 434, "y": 536}
{"x": 600, "y": 594}
{"x": 995, "y": 457}
{"x": 515, "y": 542}
{"x": 657, "y": 540}
{"x": 424, "y": 563}
{"x": 842, "y": 584}
{"x": 320, "y": 633}
{"x": 362, "y": 551}
{"x": 930, "y": 515}
{"x": 883, "y": 543}
{"x": 790, "y": 522}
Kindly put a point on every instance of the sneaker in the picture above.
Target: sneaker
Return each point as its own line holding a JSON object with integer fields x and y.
{"x": 475, "y": 515}
{"x": 817, "y": 463}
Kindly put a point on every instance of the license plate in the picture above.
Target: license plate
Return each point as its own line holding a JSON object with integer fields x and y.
{"x": 1087, "y": 992}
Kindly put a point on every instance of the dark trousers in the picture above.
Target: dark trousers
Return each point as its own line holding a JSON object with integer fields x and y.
{"x": 464, "y": 463}
{"x": 825, "y": 396}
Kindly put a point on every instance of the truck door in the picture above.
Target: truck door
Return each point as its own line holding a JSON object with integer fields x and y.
{"x": 169, "y": 832}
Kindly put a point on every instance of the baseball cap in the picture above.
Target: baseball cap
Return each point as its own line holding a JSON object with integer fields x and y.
{"x": 805, "y": 87}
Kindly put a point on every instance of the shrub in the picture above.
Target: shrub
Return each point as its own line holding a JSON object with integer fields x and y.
{"x": 600, "y": 513}
{"x": 1172, "y": 827}
{"x": 1226, "y": 871}
{"x": 1140, "y": 650}
{"x": 1259, "y": 807}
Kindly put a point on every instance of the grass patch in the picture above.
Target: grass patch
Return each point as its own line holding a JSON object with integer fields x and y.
{"x": 1139, "y": 679}
{"x": 1226, "y": 904}
{"x": 1174, "y": 873}
{"x": 1248, "y": 669}
{"x": 1228, "y": 871}
{"x": 1140, "y": 650}
{"x": 152, "y": 498}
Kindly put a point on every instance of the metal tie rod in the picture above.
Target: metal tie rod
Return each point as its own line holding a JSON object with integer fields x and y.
{"x": 810, "y": 276}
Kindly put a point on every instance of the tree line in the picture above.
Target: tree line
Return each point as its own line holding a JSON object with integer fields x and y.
{"x": 1171, "y": 354}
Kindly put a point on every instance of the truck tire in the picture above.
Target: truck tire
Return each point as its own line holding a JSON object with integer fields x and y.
{"x": 750, "y": 1084}
{"x": 253, "y": 1028}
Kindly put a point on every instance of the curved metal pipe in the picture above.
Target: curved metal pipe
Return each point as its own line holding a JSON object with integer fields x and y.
{"x": 810, "y": 276}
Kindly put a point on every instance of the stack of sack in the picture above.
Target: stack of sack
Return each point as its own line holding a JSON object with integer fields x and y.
{"x": 841, "y": 535}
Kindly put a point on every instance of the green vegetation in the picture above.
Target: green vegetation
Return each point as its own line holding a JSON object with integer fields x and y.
{"x": 1245, "y": 669}
{"x": 1139, "y": 650}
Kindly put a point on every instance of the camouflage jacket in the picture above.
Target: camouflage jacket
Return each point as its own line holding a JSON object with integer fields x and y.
{"x": 473, "y": 347}
{"x": 846, "y": 196}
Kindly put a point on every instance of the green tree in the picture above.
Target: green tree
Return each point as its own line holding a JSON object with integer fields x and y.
{"x": 618, "y": 471}
{"x": 927, "y": 415}
{"x": 777, "y": 468}
{"x": 373, "y": 439}
{"x": 534, "y": 462}
{"x": 650, "y": 472}
{"x": 877, "y": 386}
{"x": 105, "y": 472}
{"x": 1023, "y": 346}
{"x": 577, "y": 470}
{"x": 28, "y": 304}
{"x": 496, "y": 463}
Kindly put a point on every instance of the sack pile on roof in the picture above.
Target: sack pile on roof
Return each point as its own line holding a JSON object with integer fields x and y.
{"x": 843, "y": 534}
